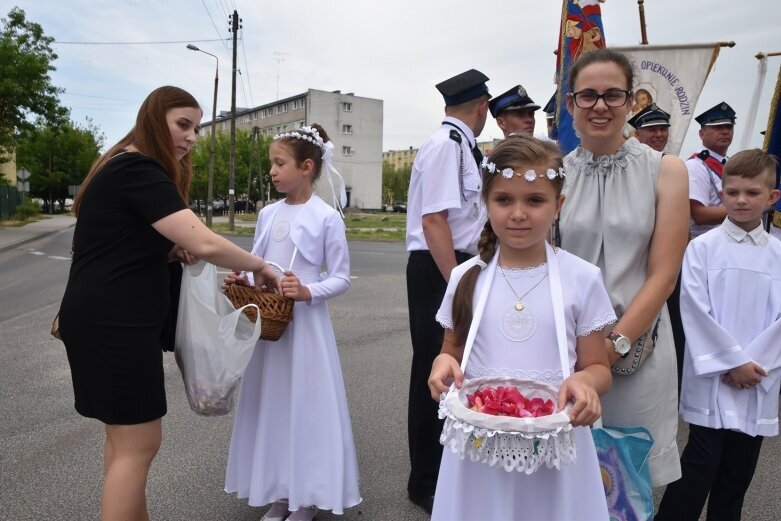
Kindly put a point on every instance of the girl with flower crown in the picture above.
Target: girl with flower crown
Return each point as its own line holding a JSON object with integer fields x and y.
{"x": 292, "y": 442}
{"x": 516, "y": 336}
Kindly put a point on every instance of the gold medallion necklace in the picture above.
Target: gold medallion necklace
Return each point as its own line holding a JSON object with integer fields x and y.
{"x": 520, "y": 305}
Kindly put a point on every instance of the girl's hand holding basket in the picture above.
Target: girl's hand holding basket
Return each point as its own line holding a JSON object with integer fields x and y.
{"x": 292, "y": 288}
{"x": 586, "y": 408}
{"x": 445, "y": 372}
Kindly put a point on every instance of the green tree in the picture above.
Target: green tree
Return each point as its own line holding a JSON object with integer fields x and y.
{"x": 26, "y": 89}
{"x": 58, "y": 156}
{"x": 395, "y": 182}
{"x": 245, "y": 146}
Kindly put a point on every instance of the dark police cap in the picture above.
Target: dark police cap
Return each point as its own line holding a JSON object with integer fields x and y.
{"x": 514, "y": 99}
{"x": 550, "y": 107}
{"x": 463, "y": 87}
{"x": 721, "y": 114}
{"x": 650, "y": 116}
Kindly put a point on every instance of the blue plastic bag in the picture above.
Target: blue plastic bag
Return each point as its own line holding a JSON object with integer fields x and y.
{"x": 623, "y": 462}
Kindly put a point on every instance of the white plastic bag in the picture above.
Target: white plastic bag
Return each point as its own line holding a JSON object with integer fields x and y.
{"x": 214, "y": 341}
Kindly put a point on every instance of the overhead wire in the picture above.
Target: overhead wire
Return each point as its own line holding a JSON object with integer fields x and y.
{"x": 225, "y": 45}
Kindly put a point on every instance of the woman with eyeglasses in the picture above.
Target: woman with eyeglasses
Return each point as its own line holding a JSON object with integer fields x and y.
{"x": 626, "y": 211}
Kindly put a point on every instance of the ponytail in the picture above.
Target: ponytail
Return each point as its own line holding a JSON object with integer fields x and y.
{"x": 462, "y": 299}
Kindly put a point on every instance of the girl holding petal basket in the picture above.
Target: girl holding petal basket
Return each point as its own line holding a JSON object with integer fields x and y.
{"x": 292, "y": 442}
{"x": 504, "y": 313}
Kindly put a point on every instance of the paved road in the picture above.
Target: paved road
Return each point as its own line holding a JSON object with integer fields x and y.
{"x": 50, "y": 458}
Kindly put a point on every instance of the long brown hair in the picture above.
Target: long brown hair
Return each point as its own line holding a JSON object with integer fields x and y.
{"x": 517, "y": 152}
{"x": 151, "y": 137}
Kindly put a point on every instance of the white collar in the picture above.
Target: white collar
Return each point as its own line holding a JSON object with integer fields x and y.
{"x": 470, "y": 136}
{"x": 758, "y": 235}
{"x": 714, "y": 155}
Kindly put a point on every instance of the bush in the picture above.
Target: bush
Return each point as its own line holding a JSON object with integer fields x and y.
{"x": 27, "y": 211}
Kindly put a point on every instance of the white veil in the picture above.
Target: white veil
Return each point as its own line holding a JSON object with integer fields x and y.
{"x": 330, "y": 186}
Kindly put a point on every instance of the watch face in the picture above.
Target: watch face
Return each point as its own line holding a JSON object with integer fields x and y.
{"x": 622, "y": 345}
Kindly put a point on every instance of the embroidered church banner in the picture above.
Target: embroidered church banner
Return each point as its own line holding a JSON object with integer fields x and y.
{"x": 672, "y": 76}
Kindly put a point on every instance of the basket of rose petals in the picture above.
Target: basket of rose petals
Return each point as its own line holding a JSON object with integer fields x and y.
{"x": 507, "y": 422}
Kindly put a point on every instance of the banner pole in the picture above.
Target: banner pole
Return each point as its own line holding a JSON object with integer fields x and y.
{"x": 754, "y": 106}
{"x": 643, "y": 35}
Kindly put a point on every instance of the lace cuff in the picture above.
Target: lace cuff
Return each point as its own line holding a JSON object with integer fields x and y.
{"x": 596, "y": 324}
{"x": 444, "y": 321}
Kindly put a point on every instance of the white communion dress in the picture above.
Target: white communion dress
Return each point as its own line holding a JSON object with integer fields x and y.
{"x": 292, "y": 436}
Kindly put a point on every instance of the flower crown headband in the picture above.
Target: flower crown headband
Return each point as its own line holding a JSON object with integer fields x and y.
{"x": 530, "y": 175}
{"x": 311, "y": 135}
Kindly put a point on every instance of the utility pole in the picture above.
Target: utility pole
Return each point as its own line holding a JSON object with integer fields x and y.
{"x": 232, "y": 172}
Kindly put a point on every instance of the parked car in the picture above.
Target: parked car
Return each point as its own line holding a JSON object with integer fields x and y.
{"x": 243, "y": 206}
{"x": 198, "y": 206}
{"x": 387, "y": 208}
{"x": 400, "y": 208}
{"x": 218, "y": 205}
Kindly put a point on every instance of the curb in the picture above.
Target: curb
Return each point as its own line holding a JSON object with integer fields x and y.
{"x": 22, "y": 242}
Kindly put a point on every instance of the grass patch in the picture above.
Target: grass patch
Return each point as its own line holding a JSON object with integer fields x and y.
{"x": 375, "y": 220}
{"x": 14, "y": 223}
{"x": 377, "y": 234}
{"x": 361, "y": 226}
{"x": 237, "y": 230}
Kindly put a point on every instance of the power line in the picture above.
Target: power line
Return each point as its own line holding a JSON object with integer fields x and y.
{"x": 246, "y": 68}
{"x": 225, "y": 45}
{"x": 134, "y": 43}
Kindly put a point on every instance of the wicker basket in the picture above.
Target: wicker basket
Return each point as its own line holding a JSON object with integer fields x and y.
{"x": 275, "y": 310}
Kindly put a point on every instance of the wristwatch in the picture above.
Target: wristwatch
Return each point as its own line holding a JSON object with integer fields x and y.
{"x": 621, "y": 344}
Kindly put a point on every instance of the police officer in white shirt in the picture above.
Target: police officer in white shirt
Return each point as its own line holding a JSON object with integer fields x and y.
{"x": 445, "y": 216}
{"x": 514, "y": 111}
{"x": 717, "y": 127}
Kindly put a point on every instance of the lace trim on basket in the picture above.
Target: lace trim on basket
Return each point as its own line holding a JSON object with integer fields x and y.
{"x": 511, "y": 451}
{"x": 552, "y": 377}
{"x": 596, "y": 324}
{"x": 445, "y": 322}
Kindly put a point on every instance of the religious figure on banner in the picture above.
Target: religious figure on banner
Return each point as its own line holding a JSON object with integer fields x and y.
{"x": 584, "y": 34}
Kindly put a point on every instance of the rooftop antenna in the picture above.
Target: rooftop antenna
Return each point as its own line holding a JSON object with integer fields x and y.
{"x": 278, "y": 58}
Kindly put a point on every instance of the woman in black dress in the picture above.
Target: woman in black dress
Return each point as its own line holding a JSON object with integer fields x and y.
{"x": 132, "y": 221}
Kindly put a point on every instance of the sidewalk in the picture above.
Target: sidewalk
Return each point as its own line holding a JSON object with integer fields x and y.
{"x": 12, "y": 237}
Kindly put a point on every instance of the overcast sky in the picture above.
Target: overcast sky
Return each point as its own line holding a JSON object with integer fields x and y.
{"x": 393, "y": 51}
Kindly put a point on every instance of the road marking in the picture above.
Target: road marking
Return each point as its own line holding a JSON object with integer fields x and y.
{"x": 35, "y": 252}
{"x": 57, "y": 257}
{"x": 353, "y": 277}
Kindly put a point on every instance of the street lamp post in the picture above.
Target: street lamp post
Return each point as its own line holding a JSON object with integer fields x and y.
{"x": 210, "y": 185}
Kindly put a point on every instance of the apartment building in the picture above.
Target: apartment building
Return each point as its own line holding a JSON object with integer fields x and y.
{"x": 354, "y": 124}
{"x": 403, "y": 158}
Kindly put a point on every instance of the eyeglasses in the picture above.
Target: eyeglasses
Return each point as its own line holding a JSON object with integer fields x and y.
{"x": 586, "y": 99}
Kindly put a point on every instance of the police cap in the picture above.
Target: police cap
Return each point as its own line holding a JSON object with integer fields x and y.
{"x": 721, "y": 114}
{"x": 463, "y": 87}
{"x": 514, "y": 99}
{"x": 650, "y": 116}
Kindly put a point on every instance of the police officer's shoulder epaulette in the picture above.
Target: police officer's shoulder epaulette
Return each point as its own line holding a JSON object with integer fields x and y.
{"x": 455, "y": 135}
{"x": 704, "y": 154}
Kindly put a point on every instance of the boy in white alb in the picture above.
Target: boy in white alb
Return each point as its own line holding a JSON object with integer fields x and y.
{"x": 731, "y": 310}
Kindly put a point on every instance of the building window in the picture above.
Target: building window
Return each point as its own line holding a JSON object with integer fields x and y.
{"x": 299, "y": 104}
{"x": 254, "y": 116}
{"x": 347, "y": 107}
{"x": 284, "y": 107}
{"x": 347, "y": 151}
{"x": 279, "y": 109}
{"x": 347, "y": 129}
